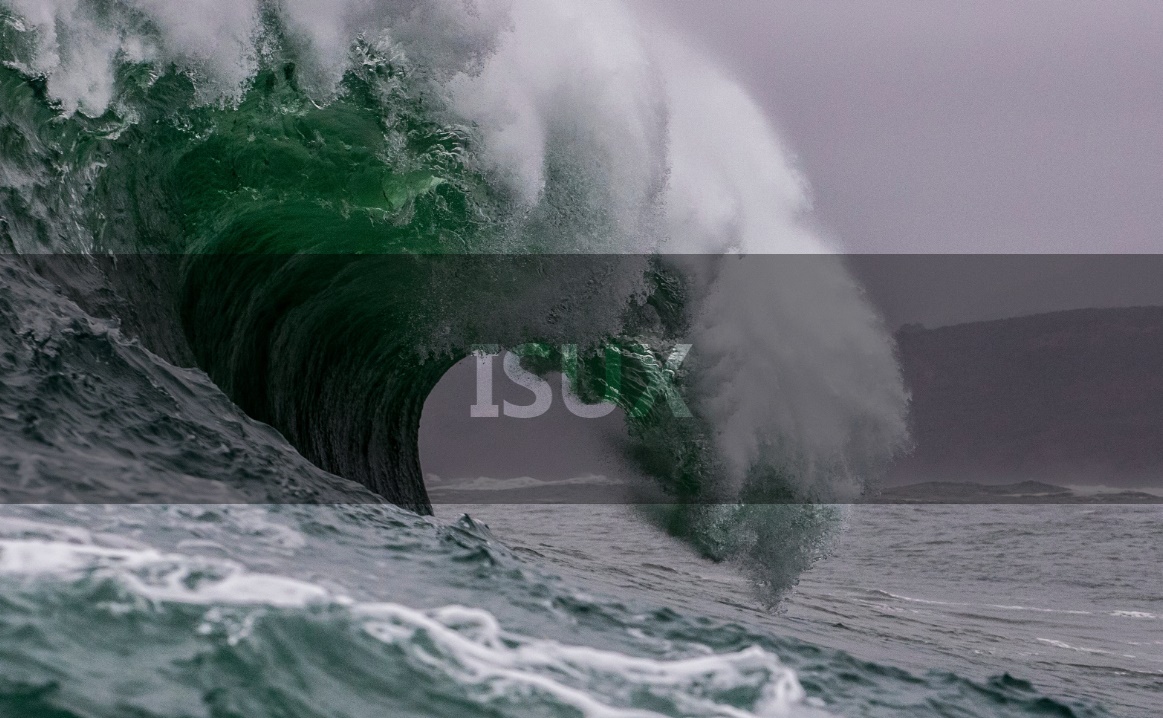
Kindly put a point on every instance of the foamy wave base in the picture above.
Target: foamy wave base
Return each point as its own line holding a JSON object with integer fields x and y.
{"x": 452, "y": 656}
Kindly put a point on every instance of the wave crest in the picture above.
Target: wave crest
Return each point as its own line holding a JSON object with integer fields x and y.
{"x": 294, "y": 140}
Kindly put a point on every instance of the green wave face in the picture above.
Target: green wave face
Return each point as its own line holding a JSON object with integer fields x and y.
{"x": 366, "y": 173}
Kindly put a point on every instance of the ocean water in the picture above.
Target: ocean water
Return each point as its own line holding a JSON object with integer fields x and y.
{"x": 362, "y": 610}
{"x": 1064, "y": 598}
{"x": 243, "y": 241}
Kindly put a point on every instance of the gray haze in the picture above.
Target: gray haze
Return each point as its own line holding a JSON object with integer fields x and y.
{"x": 942, "y": 126}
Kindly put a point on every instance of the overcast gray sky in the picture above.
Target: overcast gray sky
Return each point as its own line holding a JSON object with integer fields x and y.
{"x": 943, "y": 126}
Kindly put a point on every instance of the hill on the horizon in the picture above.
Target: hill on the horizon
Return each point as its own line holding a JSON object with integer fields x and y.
{"x": 1068, "y": 397}
{"x": 1025, "y": 492}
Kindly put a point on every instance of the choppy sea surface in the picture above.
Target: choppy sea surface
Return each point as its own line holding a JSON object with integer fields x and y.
{"x": 1064, "y": 599}
{"x": 566, "y": 610}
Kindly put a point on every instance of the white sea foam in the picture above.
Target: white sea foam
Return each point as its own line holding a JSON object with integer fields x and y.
{"x": 1145, "y": 615}
{"x": 1066, "y": 646}
{"x": 159, "y": 576}
{"x": 793, "y": 359}
{"x": 471, "y": 645}
{"x": 466, "y": 645}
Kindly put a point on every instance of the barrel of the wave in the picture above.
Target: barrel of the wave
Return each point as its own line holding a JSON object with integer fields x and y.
{"x": 303, "y": 289}
{"x": 340, "y": 351}
{"x": 340, "y": 263}
{"x": 329, "y": 350}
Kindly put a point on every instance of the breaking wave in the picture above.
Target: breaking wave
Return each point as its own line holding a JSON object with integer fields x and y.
{"x": 324, "y": 206}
